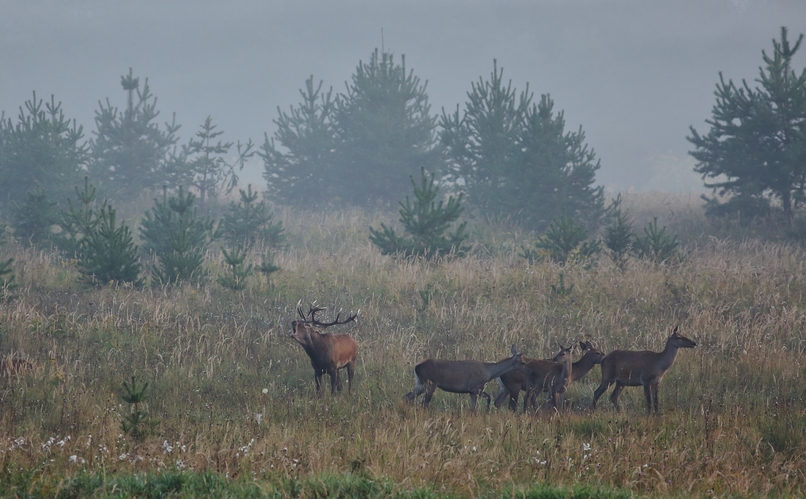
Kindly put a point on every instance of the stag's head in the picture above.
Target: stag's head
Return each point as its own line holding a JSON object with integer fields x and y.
{"x": 595, "y": 355}
{"x": 303, "y": 330}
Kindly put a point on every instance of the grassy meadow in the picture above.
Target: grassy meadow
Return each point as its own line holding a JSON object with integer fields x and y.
{"x": 233, "y": 396}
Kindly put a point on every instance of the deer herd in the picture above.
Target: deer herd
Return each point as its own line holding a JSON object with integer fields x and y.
{"x": 515, "y": 374}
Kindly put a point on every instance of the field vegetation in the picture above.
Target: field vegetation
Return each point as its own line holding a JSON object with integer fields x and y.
{"x": 230, "y": 407}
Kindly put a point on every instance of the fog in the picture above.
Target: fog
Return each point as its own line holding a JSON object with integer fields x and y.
{"x": 635, "y": 74}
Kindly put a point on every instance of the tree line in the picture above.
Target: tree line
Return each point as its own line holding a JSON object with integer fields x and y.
{"x": 511, "y": 156}
{"x": 503, "y": 153}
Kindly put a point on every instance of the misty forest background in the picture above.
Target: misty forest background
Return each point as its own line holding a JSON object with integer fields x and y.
{"x": 146, "y": 291}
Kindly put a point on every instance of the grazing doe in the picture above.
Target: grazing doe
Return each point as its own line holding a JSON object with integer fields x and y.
{"x": 328, "y": 352}
{"x": 460, "y": 376}
{"x": 639, "y": 368}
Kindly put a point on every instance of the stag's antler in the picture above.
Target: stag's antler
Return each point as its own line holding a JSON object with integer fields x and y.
{"x": 351, "y": 317}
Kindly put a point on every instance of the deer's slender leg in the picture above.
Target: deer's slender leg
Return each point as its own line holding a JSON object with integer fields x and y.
{"x": 429, "y": 392}
{"x": 599, "y": 391}
{"x": 487, "y": 396}
{"x": 648, "y": 396}
{"x": 616, "y": 392}
{"x": 654, "y": 389}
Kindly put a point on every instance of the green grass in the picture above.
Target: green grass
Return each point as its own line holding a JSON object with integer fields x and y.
{"x": 731, "y": 420}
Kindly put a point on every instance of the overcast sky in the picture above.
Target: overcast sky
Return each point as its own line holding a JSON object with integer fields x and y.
{"x": 633, "y": 73}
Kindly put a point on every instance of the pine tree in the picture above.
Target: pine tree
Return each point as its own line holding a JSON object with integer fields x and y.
{"x": 77, "y": 221}
{"x": 247, "y": 222}
{"x": 426, "y": 221}
{"x": 174, "y": 232}
{"x": 206, "y": 167}
{"x": 656, "y": 244}
{"x": 7, "y": 284}
{"x": 384, "y": 132}
{"x": 237, "y": 273}
{"x": 553, "y": 173}
{"x": 619, "y": 237}
{"x": 516, "y": 159}
{"x": 43, "y": 149}
{"x": 130, "y": 152}
{"x": 564, "y": 241}
{"x": 298, "y": 159}
{"x": 137, "y": 423}
{"x": 358, "y": 148}
{"x": 33, "y": 218}
{"x": 755, "y": 150}
{"x": 108, "y": 253}
{"x": 481, "y": 141}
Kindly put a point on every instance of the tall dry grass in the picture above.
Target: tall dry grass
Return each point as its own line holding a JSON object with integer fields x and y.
{"x": 732, "y": 419}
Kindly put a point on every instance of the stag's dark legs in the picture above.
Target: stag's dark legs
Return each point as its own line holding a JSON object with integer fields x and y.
{"x": 350, "y": 371}
{"x": 317, "y": 377}
{"x": 335, "y": 380}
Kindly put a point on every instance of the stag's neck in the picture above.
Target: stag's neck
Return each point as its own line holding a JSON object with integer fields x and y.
{"x": 581, "y": 367}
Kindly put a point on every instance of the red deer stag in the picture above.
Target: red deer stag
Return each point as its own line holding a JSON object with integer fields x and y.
{"x": 460, "y": 376}
{"x": 632, "y": 368}
{"x": 517, "y": 380}
{"x": 328, "y": 352}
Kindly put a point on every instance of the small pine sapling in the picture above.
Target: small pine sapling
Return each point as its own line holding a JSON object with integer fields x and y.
{"x": 237, "y": 274}
{"x": 33, "y": 218}
{"x": 78, "y": 221}
{"x": 108, "y": 253}
{"x": 564, "y": 241}
{"x": 267, "y": 266}
{"x": 619, "y": 237}
{"x": 136, "y": 423}
{"x": 656, "y": 245}
{"x": 247, "y": 222}
{"x": 426, "y": 222}
{"x": 7, "y": 284}
{"x": 174, "y": 232}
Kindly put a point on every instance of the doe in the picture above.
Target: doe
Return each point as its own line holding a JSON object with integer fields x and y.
{"x": 460, "y": 376}
{"x": 639, "y": 368}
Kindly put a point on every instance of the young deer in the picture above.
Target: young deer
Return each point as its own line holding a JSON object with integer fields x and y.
{"x": 512, "y": 383}
{"x": 551, "y": 376}
{"x": 639, "y": 368}
{"x": 579, "y": 368}
{"x": 459, "y": 376}
{"x": 328, "y": 352}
